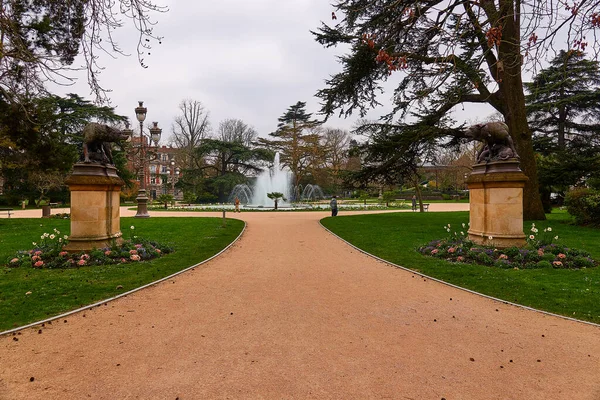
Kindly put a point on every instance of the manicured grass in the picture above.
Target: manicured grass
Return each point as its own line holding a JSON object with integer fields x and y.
{"x": 54, "y": 291}
{"x": 395, "y": 237}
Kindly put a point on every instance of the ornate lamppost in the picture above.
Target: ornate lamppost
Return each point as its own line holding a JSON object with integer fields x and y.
{"x": 155, "y": 132}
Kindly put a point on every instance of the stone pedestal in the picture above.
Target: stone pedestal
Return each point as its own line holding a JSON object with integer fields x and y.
{"x": 95, "y": 213}
{"x": 496, "y": 204}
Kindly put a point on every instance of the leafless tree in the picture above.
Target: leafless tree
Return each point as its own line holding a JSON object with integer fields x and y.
{"x": 236, "y": 130}
{"x": 189, "y": 128}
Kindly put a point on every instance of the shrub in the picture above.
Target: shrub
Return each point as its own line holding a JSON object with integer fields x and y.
{"x": 584, "y": 205}
{"x": 544, "y": 264}
{"x": 456, "y": 247}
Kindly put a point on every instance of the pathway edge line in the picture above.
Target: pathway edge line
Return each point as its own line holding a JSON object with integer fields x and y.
{"x": 455, "y": 286}
{"x": 99, "y": 303}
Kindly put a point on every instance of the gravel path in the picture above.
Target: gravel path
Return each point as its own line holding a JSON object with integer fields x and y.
{"x": 291, "y": 312}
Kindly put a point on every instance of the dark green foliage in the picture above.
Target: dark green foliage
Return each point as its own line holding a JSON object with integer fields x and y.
{"x": 41, "y": 138}
{"x": 584, "y": 205}
{"x": 563, "y": 107}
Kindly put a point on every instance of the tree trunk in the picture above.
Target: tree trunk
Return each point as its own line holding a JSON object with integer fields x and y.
{"x": 513, "y": 103}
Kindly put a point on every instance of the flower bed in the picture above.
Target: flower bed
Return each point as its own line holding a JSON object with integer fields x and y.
{"x": 540, "y": 252}
{"x": 49, "y": 253}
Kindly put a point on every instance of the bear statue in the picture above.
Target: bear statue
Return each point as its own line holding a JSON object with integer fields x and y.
{"x": 498, "y": 146}
{"x": 97, "y": 139}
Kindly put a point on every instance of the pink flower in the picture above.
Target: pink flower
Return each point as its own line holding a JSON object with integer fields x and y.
{"x": 38, "y": 253}
{"x": 81, "y": 262}
{"x": 460, "y": 259}
{"x": 434, "y": 251}
{"x": 107, "y": 253}
{"x": 562, "y": 256}
{"x": 132, "y": 251}
{"x": 63, "y": 253}
{"x": 38, "y": 264}
{"x": 35, "y": 258}
{"x": 85, "y": 257}
{"x": 158, "y": 251}
{"x": 503, "y": 257}
{"x": 123, "y": 260}
{"x": 451, "y": 250}
{"x": 138, "y": 246}
{"x": 541, "y": 252}
{"x": 135, "y": 257}
{"x": 14, "y": 260}
{"x": 557, "y": 264}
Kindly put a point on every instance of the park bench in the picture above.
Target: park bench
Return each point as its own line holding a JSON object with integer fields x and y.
{"x": 425, "y": 206}
{"x": 8, "y": 211}
{"x": 53, "y": 205}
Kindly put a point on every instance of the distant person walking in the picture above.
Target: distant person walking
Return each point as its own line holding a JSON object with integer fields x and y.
{"x": 334, "y": 208}
{"x": 237, "y": 205}
{"x": 414, "y": 203}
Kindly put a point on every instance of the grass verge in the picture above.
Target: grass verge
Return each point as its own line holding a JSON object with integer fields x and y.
{"x": 395, "y": 237}
{"x": 54, "y": 291}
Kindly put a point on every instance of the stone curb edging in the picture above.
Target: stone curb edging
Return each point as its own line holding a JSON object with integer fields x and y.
{"x": 99, "y": 303}
{"x": 458, "y": 287}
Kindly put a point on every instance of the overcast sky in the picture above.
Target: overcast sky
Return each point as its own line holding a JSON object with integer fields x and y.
{"x": 244, "y": 59}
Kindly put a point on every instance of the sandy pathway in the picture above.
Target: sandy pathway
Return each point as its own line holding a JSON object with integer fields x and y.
{"x": 290, "y": 312}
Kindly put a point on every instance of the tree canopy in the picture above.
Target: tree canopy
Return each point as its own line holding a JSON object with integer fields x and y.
{"x": 448, "y": 53}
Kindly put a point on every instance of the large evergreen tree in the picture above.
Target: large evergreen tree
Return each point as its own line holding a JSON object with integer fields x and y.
{"x": 563, "y": 108}
{"x": 564, "y": 101}
{"x": 295, "y": 139}
{"x": 449, "y": 53}
{"x": 43, "y": 136}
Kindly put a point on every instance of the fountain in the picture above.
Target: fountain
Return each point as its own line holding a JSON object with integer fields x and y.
{"x": 242, "y": 192}
{"x": 272, "y": 180}
{"x": 311, "y": 193}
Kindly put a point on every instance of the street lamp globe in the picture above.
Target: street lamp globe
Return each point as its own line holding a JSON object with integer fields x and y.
{"x": 140, "y": 112}
{"x": 155, "y": 133}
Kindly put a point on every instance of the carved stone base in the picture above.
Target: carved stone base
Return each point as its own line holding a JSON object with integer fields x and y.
{"x": 95, "y": 214}
{"x": 496, "y": 204}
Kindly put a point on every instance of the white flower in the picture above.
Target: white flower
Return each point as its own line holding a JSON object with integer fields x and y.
{"x": 59, "y": 240}
{"x": 448, "y": 230}
{"x": 52, "y": 237}
{"x": 462, "y": 233}
{"x": 42, "y": 237}
{"x": 531, "y": 237}
{"x": 448, "y": 225}
{"x": 34, "y": 244}
{"x": 533, "y": 224}
{"x": 65, "y": 237}
{"x": 46, "y": 235}
{"x": 132, "y": 227}
{"x": 463, "y": 224}
{"x": 490, "y": 237}
{"x": 549, "y": 229}
{"x": 534, "y": 230}
{"x": 555, "y": 237}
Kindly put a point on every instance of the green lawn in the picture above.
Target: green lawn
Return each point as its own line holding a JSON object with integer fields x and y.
{"x": 395, "y": 237}
{"x": 60, "y": 290}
